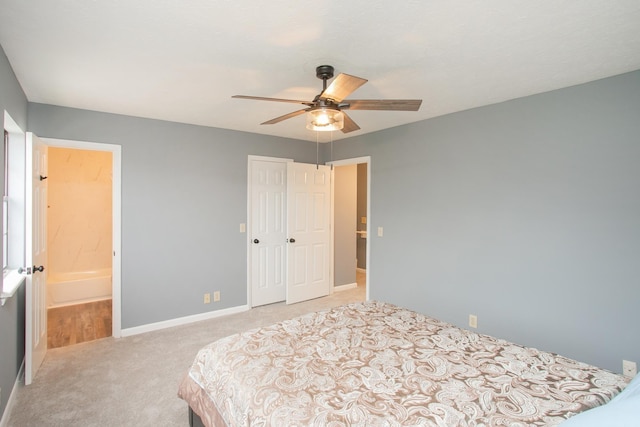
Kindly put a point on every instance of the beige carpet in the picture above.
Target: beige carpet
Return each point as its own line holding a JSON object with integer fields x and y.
{"x": 133, "y": 381}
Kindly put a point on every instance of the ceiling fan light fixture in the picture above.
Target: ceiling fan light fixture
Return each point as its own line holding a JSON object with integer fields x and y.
{"x": 324, "y": 111}
{"x": 325, "y": 119}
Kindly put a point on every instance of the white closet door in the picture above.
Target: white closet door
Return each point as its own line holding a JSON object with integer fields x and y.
{"x": 308, "y": 231}
{"x": 268, "y": 226}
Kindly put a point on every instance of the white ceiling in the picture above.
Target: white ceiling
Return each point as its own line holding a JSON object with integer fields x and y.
{"x": 183, "y": 60}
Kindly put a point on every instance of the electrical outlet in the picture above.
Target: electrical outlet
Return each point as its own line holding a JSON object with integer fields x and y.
{"x": 243, "y": 228}
{"x": 629, "y": 368}
{"x": 473, "y": 321}
{"x": 207, "y": 298}
{"x": 216, "y": 296}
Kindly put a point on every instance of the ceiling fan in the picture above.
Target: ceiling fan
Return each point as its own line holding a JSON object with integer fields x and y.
{"x": 325, "y": 112}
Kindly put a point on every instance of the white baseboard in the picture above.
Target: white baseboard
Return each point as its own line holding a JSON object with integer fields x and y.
{"x": 7, "y": 410}
{"x": 345, "y": 287}
{"x": 182, "y": 321}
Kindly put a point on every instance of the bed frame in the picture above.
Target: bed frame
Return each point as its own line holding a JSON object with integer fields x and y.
{"x": 194, "y": 419}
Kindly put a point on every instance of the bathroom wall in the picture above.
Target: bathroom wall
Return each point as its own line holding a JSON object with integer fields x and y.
{"x": 361, "y": 249}
{"x": 345, "y": 192}
{"x": 79, "y": 210}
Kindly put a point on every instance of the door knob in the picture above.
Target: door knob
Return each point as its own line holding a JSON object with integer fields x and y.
{"x": 40, "y": 269}
{"x": 292, "y": 240}
{"x": 256, "y": 241}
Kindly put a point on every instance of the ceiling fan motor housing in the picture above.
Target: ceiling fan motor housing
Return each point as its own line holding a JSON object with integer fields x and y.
{"x": 324, "y": 72}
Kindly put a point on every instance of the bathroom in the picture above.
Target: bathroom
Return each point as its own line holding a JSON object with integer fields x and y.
{"x": 79, "y": 237}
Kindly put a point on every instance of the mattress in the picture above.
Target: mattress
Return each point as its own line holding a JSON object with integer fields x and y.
{"x": 377, "y": 364}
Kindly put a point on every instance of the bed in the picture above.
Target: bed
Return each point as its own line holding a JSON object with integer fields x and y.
{"x": 377, "y": 364}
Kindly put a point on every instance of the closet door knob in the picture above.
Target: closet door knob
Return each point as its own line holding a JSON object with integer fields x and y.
{"x": 292, "y": 240}
{"x": 256, "y": 241}
{"x": 40, "y": 269}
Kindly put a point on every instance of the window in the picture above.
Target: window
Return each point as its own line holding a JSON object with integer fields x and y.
{"x": 13, "y": 219}
{"x": 5, "y": 205}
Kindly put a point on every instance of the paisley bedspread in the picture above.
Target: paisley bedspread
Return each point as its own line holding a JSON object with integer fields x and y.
{"x": 376, "y": 364}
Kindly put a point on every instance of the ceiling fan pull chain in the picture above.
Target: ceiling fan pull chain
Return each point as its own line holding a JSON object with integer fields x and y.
{"x": 331, "y": 150}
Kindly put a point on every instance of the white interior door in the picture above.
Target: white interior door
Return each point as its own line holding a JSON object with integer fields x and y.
{"x": 36, "y": 255}
{"x": 308, "y": 231}
{"x": 267, "y": 232}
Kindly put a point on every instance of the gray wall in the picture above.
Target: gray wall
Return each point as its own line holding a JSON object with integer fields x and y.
{"x": 344, "y": 226}
{"x": 14, "y": 101}
{"x": 184, "y": 194}
{"x": 525, "y": 213}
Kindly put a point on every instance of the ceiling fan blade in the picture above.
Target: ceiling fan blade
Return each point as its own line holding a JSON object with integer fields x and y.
{"x": 262, "y": 98}
{"x": 383, "y": 104}
{"x": 285, "y": 117}
{"x": 342, "y": 86}
{"x": 349, "y": 124}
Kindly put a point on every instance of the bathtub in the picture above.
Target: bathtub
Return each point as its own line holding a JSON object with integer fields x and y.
{"x": 78, "y": 287}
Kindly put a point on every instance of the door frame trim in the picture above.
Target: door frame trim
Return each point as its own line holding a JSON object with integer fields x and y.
{"x": 116, "y": 190}
{"x": 250, "y": 159}
{"x": 347, "y": 162}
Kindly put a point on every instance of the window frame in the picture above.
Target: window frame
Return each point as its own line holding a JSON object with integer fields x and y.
{"x": 5, "y": 206}
{"x": 13, "y": 207}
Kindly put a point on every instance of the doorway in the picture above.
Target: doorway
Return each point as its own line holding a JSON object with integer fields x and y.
{"x": 350, "y": 242}
{"x": 268, "y": 277}
{"x": 83, "y": 284}
{"x": 79, "y": 243}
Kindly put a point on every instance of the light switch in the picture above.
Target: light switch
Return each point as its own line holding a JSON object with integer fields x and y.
{"x": 379, "y": 231}
{"x": 243, "y": 228}
{"x": 363, "y": 220}
{"x": 473, "y": 320}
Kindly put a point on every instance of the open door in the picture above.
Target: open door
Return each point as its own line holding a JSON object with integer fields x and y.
{"x": 308, "y": 231}
{"x": 36, "y": 255}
